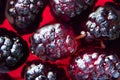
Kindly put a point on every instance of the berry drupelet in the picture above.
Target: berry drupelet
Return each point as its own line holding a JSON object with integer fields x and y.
{"x": 66, "y": 10}
{"x": 25, "y": 15}
{"x": 95, "y": 64}
{"x": 43, "y": 71}
{"x": 53, "y": 42}
{"x": 13, "y": 50}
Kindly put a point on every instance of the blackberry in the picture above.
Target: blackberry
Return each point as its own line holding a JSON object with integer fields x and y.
{"x": 13, "y": 50}
{"x": 25, "y": 15}
{"x": 36, "y": 70}
{"x": 95, "y": 64}
{"x": 68, "y": 9}
{"x": 103, "y": 24}
{"x": 53, "y": 42}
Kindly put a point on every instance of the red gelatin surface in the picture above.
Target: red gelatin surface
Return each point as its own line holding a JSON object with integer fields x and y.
{"x": 47, "y": 18}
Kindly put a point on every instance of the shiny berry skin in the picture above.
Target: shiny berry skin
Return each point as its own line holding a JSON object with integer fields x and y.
{"x": 68, "y": 9}
{"x": 13, "y": 50}
{"x": 103, "y": 24}
{"x": 53, "y": 42}
{"x": 95, "y": 64}
{"x": 25, "y": 15}
{"x": 43, "y": 71}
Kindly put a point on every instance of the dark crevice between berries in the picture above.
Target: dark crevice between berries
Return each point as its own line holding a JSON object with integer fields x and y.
{"x": 2, "y": 10}
{"x": 5, "y": 76}
{"x": 29, "y": 27}
{"x": 117, "y": 1}
{"x": 115, "y": 5}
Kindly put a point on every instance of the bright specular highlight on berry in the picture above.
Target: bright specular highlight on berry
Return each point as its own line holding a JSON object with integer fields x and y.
{"x": 38, "y": 72}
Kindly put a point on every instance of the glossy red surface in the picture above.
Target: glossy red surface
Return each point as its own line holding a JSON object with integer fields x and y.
{"x": 47, "y": 18}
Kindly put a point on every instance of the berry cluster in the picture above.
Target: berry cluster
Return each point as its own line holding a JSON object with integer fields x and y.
{"x": 56, "y": 45}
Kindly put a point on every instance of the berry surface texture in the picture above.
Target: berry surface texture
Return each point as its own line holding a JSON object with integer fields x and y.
{"x": 59, "y": 39}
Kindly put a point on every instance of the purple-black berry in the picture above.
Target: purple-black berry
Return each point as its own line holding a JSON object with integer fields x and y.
{"x": 66, "y": 10}
{"x": 103, "y": 24}
{"x": 13, "y": 50}
{"x": 53, "y": 42}
{"x": 25, "y": 15}
{"x": 37, "y": 70}
{"x": 95, "y": 64}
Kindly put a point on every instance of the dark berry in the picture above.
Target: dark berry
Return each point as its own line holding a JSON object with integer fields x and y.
{"x": 53, "y": 42}
{"x": 13, "y": 50}
{"x": 95, "y": 64}
{"x": 68, "y": 9}
{"x": 24, "y": 15}
{"x": 43, "y": 71}
{"x": 104, "y": 24}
